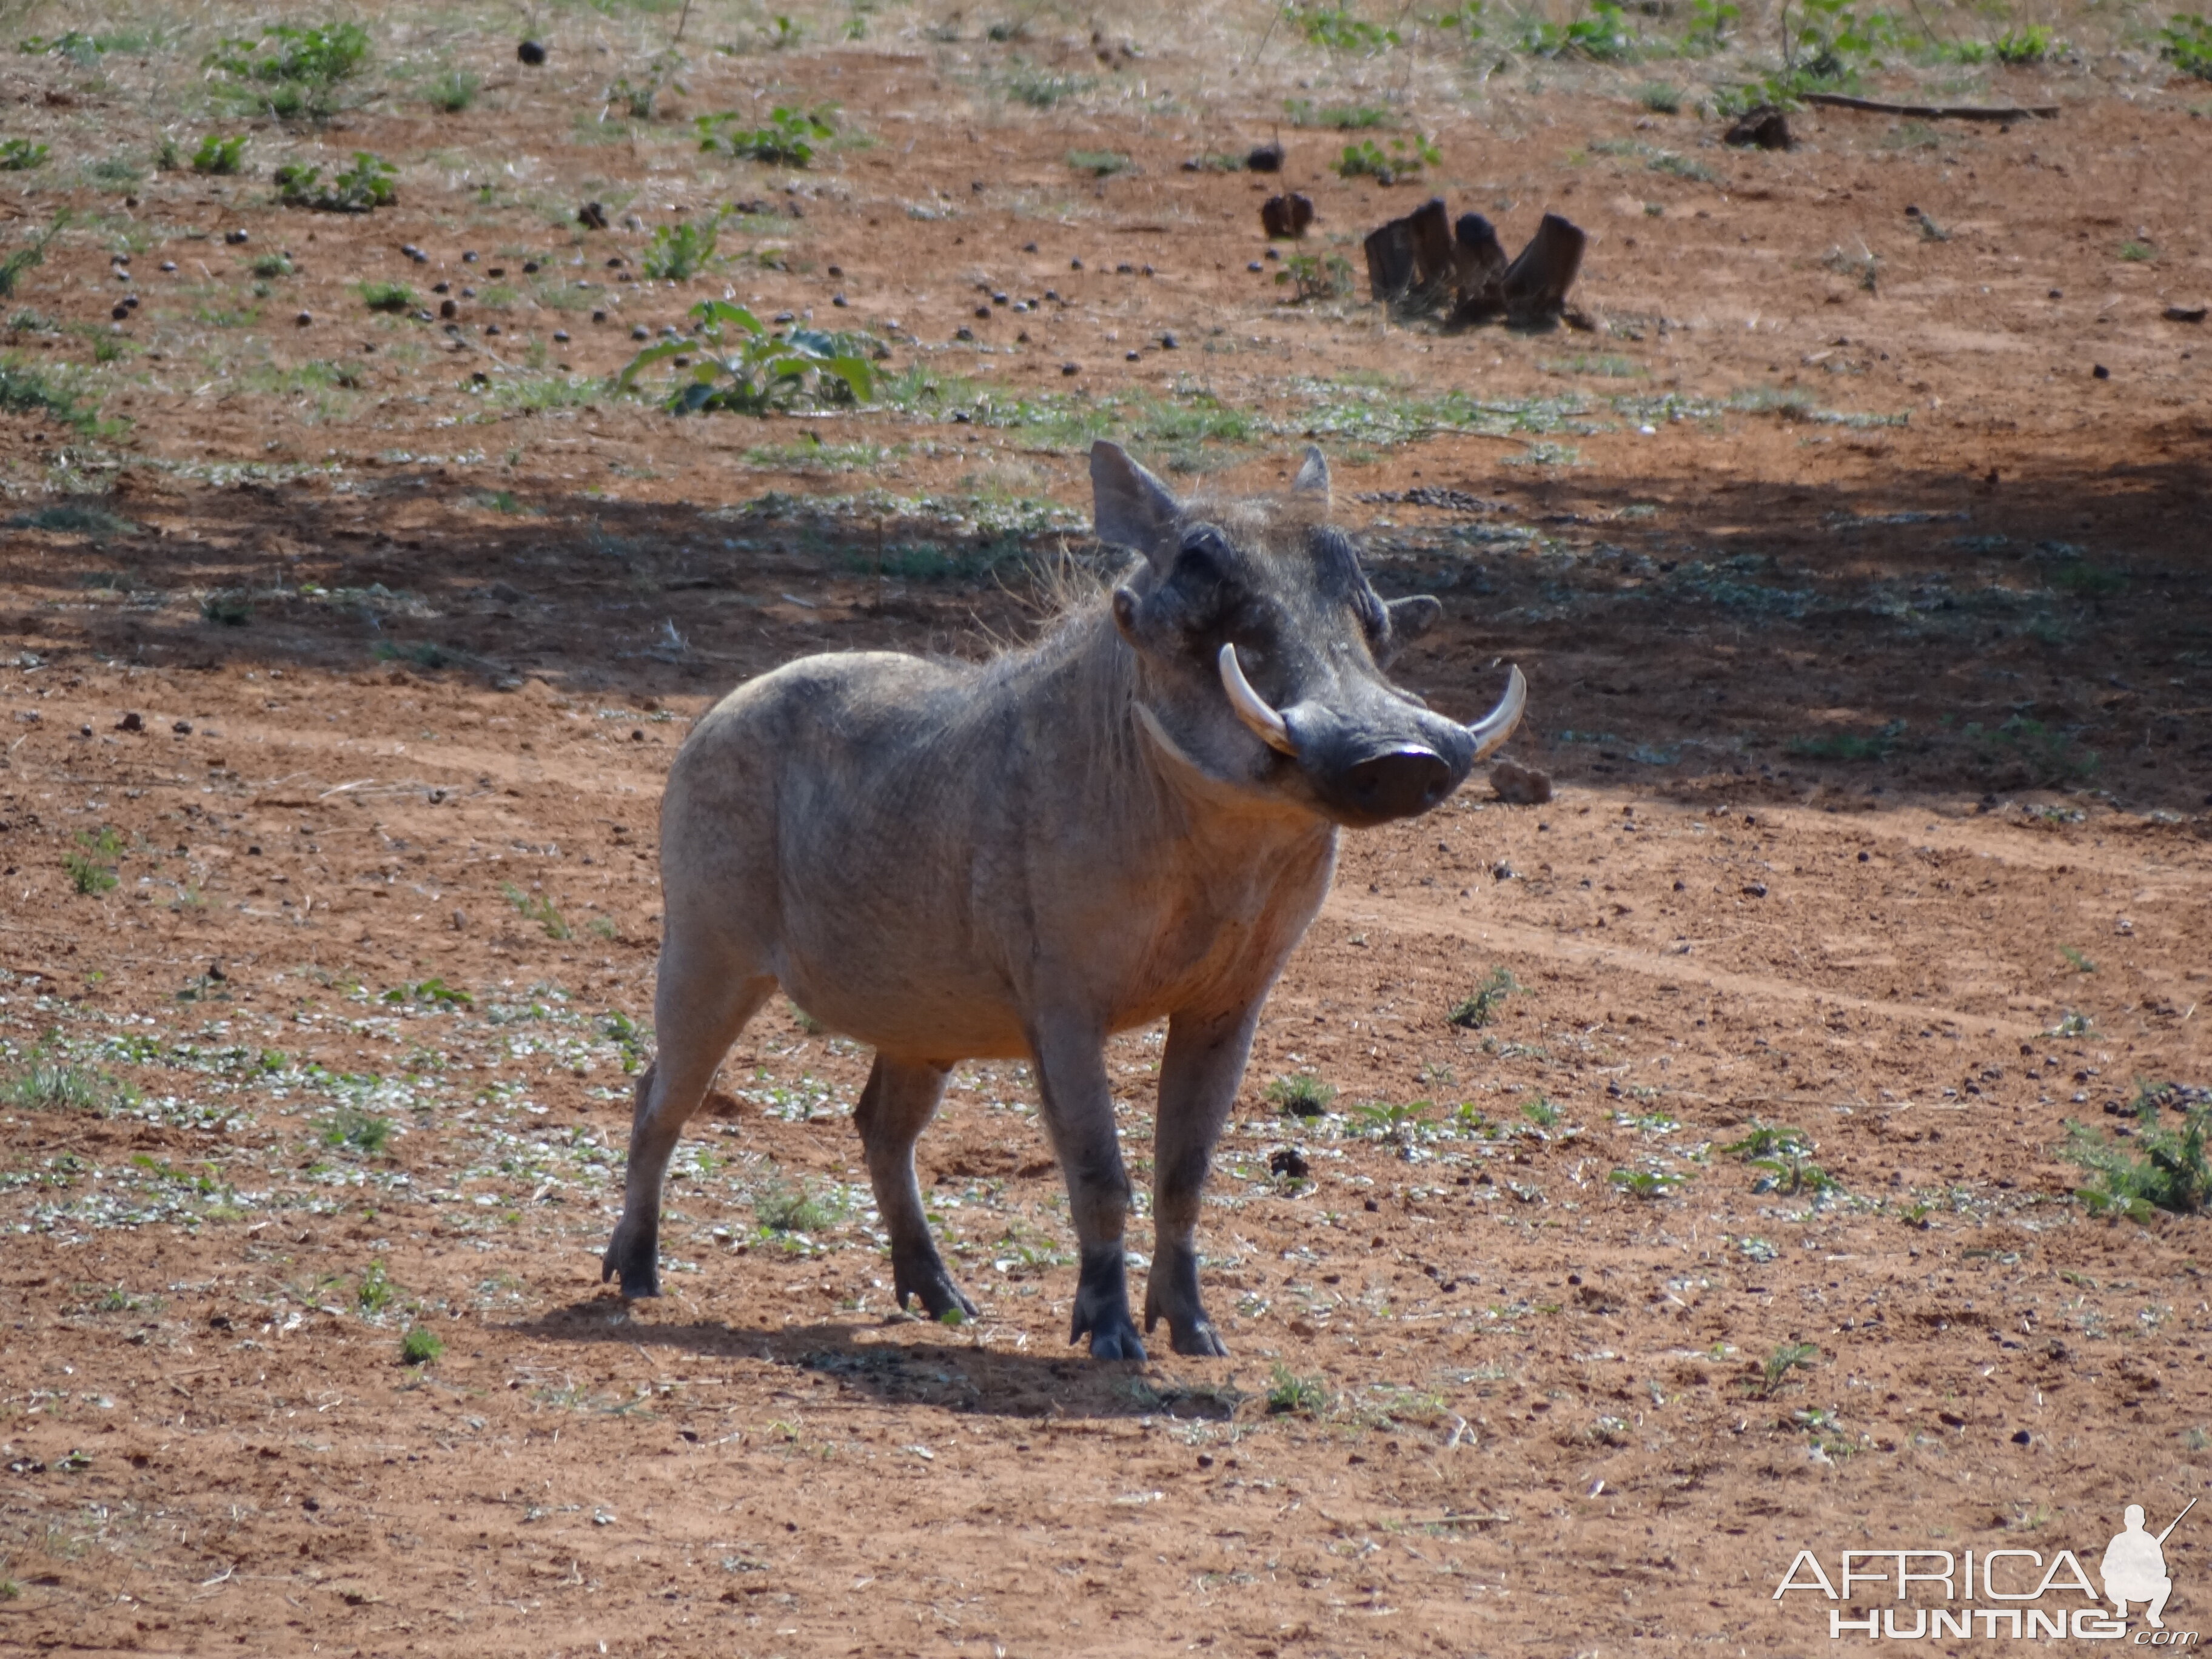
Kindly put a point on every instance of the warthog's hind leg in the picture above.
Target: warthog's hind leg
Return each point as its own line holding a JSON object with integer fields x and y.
{"x": 697, "y": 1014}
{"x": 1199, "y": 1074}
{"x": 898, "y": 1102}
{"x": 1078, "y": 1113}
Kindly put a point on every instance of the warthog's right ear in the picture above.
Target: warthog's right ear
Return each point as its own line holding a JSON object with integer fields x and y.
{"x": 1131, "y": 507}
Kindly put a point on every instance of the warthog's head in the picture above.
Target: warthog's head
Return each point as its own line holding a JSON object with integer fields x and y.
{"x": 1264, "y": 651}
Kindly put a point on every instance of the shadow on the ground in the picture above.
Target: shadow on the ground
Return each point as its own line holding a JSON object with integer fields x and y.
{"x": 904, "y": 1362}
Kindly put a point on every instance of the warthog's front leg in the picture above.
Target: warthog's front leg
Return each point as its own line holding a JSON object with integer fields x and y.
{"x": 1078, "y": 1114}
{"x": 1199, "y": 1074}
{"x": 899, "y": 1101}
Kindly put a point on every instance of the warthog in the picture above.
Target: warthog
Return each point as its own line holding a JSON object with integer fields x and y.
{"x": 1135, "y": 819}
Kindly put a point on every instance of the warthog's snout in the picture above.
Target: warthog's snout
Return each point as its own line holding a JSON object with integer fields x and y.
{"x": 1396, "y": 785}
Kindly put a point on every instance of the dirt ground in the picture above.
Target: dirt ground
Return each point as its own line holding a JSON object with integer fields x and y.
{"x": 1857, "y": 557}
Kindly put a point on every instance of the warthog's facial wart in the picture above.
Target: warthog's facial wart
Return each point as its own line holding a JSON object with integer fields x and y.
{"x": 1263, "y": 650}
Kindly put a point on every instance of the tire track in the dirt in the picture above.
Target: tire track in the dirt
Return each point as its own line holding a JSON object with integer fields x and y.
{"x": 1544, "y": 942}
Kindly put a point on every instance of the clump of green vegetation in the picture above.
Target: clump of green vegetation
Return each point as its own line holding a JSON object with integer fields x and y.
{"x": 1600, "y": 35}
{"x": 2164, "y": 1169}
{"x": 1784, "y": 1158}
{"x": 1303, "y": 1094}
{"x": 1646, "y": 1183}
{"x": 2018, "y": 47}
{"x": 1041, "y": 88}
{"x": 782, "y": 1208}
{"x": 362, "y": 188}
{"x": 1787, "y": 1357}
{"x": 374, "y": 1292}
{"x": 1289, "y": 1394}
{"x": 1403, "y": 158}
{"x": 1099, "y": 163}
{"x": 786, "y": 139}
{"x": 1474, "y": 1011}
{"x": 292, "y": 71}
{"x": 435, "y": 992}
{"x": 678, "y": 252}
{"x": 219, "y": 155}
{"x": 539, "y": 910}
{"x": 395, "y": 297}
{"x": 20, "y": 156}
{"x": 269, "y": 266}
{"x": 1338, "y": 118}
{"x": 352, "y": 1129}
{"x": 50, "y": 1084}
{"x": 91, "y": 864}
{"x": 639, "y": 96}
{"x": 1849, "y": 745}
{"x": 746, "y": 369}
{"x": 454, "y": 90}
{"x": 1315, "y": 276}
{"x": 420, "y": 1345}
{"x": 1542, "y": 1112}
{"x": 2049, "y": 757}
{"x": 28, "y": 257}
{"x": 227, "y": 607}
{"x": 1660, "y": 97}
{"x": 2186, "y": 43}
{"x": 1338, "y": 28}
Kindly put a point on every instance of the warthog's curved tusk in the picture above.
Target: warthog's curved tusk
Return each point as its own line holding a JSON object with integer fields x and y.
{"x": 1253, "y": 708}
{"x": 1493, "y": 728}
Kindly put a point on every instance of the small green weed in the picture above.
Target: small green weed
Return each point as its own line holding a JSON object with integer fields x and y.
{"x": 1405, "y": 158}
{"x": 374, "y": 1292}
{"x": 787, "y": 138}
{"x": 49, "y": 1083}
{"x": 539, "y": 910}
{"x": 269, "y": 266}
{"x": 2164, "y": 1169}
{"x": 1338, "y": 28}
{"x": 1390, "y": 1120}
{"x": 1099, "y": 163}
{"x": 1542, "y": 1112}
{"x": 2186, "y": 43}
{"x": 20, "y": 156}
{"x": 1646, "y": 1183}
{"x": 1315, "y": 276}
{"x": 2048, "y": 756}
{"x": 2076, "y": 960}
{"x": 362, "y": 188}
{"x": 679, "y": 253}
{"x": 420, "y": 1345}
{"x": 395, "y": 297}
{"x": 746, "y": 369}
{"x": 782, "y": 1208}
{"x": 435, "y": 992}
{"x": 32, "y": 254}
{"x": 1337, "y": 118}
{"x": 1303, "y": 1094}
{"x": 1289, "y": 1394}
{"x": 1787, "y": 1357}
{"x": 1784, "y": 1158}
{"x": 227, "y": 607}
{"x": 1602, "y": 36}
{"x": 292, "y": 71}
{"x": 352, "y": 1129}
{"x": 1660, "y": 97}
{"x": 1475, "y": 1010}
{"x": 2018, "y": 47}
{"x": 637, "y": 97}
{"x": 2137, "y": 253}
{"x": 454, "y": 90}
{"x": 1041, "y": 88}
{"x": 1849, "y": 745}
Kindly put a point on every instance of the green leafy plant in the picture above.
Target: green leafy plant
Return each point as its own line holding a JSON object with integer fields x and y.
{"x": 1315, "y": 276}
{"x": 1834, "y": 40}
{"x": 28, "y": 257}
{"x": 1388, "y": 1120}
{"x": 1602, "y": 35}
{"x": 1303, "y": 1094}
{"x": 638, "y": 96}
{"x": 396, "y": 297}
{"x": 293, "y": 71}
{"x": 1336, "y": 118}
{"x": 420, "y": 1345}
{"x": 1646, "y": 1183}
{"x": 2186, "y": 43}
{"x": 2166, "y": 1167}
{"x": 679, "y": 253}
{"x": 50, "y": 1084}
{"x": 1784, "y": 1158}
{"x": 352, "y": 1129}
{"x": 454, "y": 90}
{"x": 1660, "y": 97}
{"x": 788, "y": 1209}
{"x": 269, "y": 266}
{"x": 1041, "y": 88}
{"x": 1338, "y": 28}
{"x": 374, "y": 1292}
{"x": 1099, "y": 163}
{"x": 1289, "y": 1394}
{"x": 219, "y": 155}
{"x": 435, "y": 992}
{"x": 2135, "y": 252}
{"x": 91, "y": 866}
{"x": 1474, "y": 1011}
{"x": 787, "y": 138}
{"x": 745, "y": 368}
{"x": 539, "y": 909}
{"x": 1710, "y": 23}
{"x": 1542, "y": 1112}
{"x": 1787, "y": 1357}
{"x": 2018, "y": 47}
{"x": 1403, "y": 158}
{"x": 362, "y": 188}
{"x": 20, "y": 156}
{"x": 1463, "y": 23}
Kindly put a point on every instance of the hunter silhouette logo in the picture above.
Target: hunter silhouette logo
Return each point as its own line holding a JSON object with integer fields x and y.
{"x": 2134, "y": 1567}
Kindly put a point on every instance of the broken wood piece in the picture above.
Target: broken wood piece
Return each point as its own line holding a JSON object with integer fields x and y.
{"x": 1411, "y": 257}
{"x": 2184, "y": 314}
{"x": 1763, "y": 128}
{"x": 1536, "y": 284}
{"x": 1478, "y": 271}
{"x": 1283, "y": 217}
{"x": 1933, "y": 111}
{"x": 1265, "y": 158}
{"x": 1389, "y": 248}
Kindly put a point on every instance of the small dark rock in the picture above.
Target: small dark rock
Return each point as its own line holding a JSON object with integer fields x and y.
{"x": 531, "y": 52}
{"x": 983, "y": 312}
{"x": 2100, "y": 373}
{"x": 964, "y": 332}
{"x": 304, "y": 319}
{"x": 236, "y": 238}
{"x": 560, "y": 336}
{"x": 120, "y": 312}
{"x": 1255, "y": 265}
{"x": 1370, "y": 1206}
{"x": 2022, "y": 1438}
{"x": 598, "y": 316}
{"x": 449, "y": 308}
{"x": 133, "y": 721}
{"x": 1286, "y": 217}
{"x": 1763, "y": 128}
{"x": 1289, "y": 1161}
{"x": 2184, "y": 314}
{"x": 640, "y": 332}
{"x": 468, "y": 258}
{"x": 1131, "y": 357}
{"x": 1265, "y": 158}
{"x": 529, "y": 268}
{"x": 592, "y": 215}
{"x": 1754, "y": 890}
{"x": 1167, "y": 343}
{"x": 1518, "y": 785}
{"x": 1071, "y": 368}
{"x": 1075, "y": 264}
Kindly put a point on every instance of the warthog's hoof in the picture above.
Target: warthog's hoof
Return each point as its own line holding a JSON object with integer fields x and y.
{"x": 638, "y": 1263}
{"x": 1199, "y": 1342}
{"x": 1102, "y": 1308}
{"x": 928, "y": 1281}
{"x": 1109, "y": 1343}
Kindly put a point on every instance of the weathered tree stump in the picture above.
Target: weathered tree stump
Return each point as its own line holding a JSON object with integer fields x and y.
{"x": 1763, "y": 128}
{"x": 1283, "y": 217}
{"x": 1536, "y": 284}
{"x": 1265, "y": 158}
{"x": 1478, "y": 271}
{"x": 1389, "y": 249}
{"x": 1411, "y": 260}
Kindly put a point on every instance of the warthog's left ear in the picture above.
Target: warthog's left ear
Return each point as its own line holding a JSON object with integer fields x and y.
{"x": 1313, "y": 474}
{"x": 1131, "y": 507}
{"x": 1410, "y": 618}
